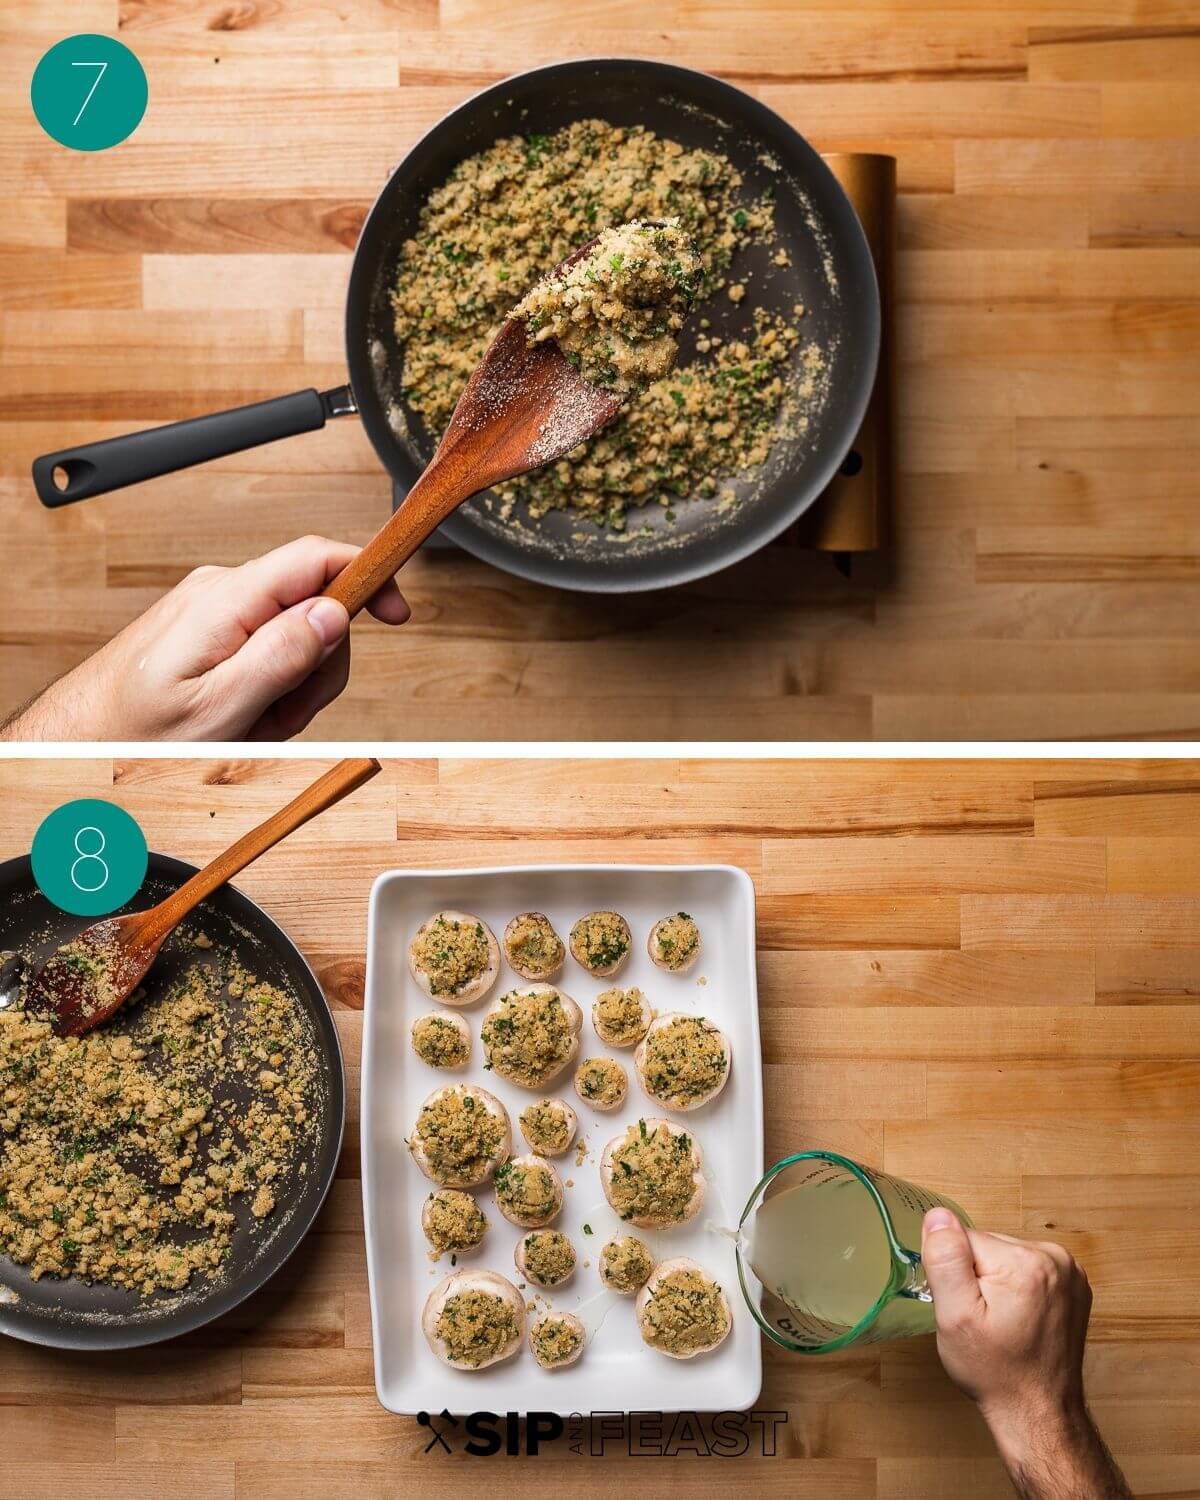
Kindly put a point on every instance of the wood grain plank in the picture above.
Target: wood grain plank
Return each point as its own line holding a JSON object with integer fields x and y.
{"x": 886, "y": 867}
{"x": 930, "y": 977}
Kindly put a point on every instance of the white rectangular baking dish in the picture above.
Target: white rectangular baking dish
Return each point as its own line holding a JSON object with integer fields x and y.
{"x": 617, "y": 1372}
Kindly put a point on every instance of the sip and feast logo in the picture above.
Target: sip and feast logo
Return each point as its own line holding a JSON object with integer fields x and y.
{"x": 639, "y": 1434}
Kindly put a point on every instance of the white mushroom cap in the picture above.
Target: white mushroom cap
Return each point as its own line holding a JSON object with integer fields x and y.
{"x": 523, "y": 969}
{"x": 647, "y": 1015}
{"x": 427, "y": 1211}
{"x": 447, "y": 1018}
{"x": 530, "y": 1221}
{"x": 520, "y": 1260}
{"x": 483, "y": 1100}
{"x": 472, "y": 1281}
{"x": 578, "y": 952}
{"x": 600, "y": 1104}
{"x": 662, "y": 1270}
{"x": 604, "y": 1277}
{"x": 657, "y": 959}
{"x": 576, "y": 1324}
{"x": 640, "y": 1059}
{"x": 696, "y": 1161}
{"x": 560, "y": 1107}
{"x": 574, "y": 1021}
{"x": 481, "y": 984}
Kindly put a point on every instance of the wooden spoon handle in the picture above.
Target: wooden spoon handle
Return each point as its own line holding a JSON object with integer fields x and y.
{"x": 438, "y": 491}
{"x": 335, "y": 784}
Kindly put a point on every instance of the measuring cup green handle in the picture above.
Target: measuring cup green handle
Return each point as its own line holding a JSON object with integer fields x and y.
{"x": 903, "y": 1308}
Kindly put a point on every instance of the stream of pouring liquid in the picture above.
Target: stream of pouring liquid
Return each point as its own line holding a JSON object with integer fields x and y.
{"x": 821, "y": 1248}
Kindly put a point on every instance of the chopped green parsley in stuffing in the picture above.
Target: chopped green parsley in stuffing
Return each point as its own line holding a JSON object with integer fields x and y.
{"x": 476, "y": 1326}
{"x": 529, "y": 1037}
{"x": 440, "y": 1042}
{"x": 452, "y": 1221}
{"x": 507, "y": 216}
{"x": 125, "y": 1153}
{"x": 617, "y": 311}
{"x": 451, "y": 954}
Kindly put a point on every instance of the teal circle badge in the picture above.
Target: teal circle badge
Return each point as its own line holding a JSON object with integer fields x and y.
{"x": 89, "y": 92}
{"x": 89, "y": 857}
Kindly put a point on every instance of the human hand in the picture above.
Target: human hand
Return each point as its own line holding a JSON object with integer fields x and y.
{"x": 250, "y": 652}
{"x": 1012, "y": 1318}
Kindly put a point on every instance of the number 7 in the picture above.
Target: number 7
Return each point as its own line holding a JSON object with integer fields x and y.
{"x": 102, "y": 66}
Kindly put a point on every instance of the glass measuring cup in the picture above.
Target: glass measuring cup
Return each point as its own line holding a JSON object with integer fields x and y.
{"x": 824, "y": 1257}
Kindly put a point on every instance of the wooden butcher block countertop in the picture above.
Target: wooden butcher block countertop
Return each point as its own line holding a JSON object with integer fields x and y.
{"x": 982, "y": 976}
{"x": 1044, "y": 578}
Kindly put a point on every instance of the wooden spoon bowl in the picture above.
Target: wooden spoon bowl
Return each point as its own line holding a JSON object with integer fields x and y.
{"x": 524, "y": 406}
{"x": 88, "y": 979}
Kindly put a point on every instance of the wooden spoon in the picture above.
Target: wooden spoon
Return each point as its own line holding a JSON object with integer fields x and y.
{"x": 84, "y": 982}
{"x": 524, "y": 405}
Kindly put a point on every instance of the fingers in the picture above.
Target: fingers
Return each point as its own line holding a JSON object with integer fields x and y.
{"x": 260, "y": 588}
{"x": 293, "y": 713}
{"x": 279, "y": 657}
{"x": 949, "y": 1263}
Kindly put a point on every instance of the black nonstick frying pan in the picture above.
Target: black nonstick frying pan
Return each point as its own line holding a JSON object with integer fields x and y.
{"x": 830, "y": 273}
{"x": 69, "y": 1314}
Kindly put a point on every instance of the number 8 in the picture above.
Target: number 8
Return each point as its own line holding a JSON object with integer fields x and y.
{"x": 90, "y": 857}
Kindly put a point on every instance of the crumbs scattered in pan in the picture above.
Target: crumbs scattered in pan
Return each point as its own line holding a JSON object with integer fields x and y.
{"x": 132, "y": 1155}
{"x": 508, "y": 214}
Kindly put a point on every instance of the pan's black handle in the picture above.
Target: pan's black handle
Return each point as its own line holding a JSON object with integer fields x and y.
{"x": 97, "y": 468}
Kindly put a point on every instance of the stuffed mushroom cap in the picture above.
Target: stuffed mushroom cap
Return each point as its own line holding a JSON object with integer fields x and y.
{"x": 461, "y": 1136}
{"x": 601, "y": 1082}
{"x": 546, "y": 1257}
{"x": 549, "y": 1126}
{"x": 533, "y": 949}
{"x": 621, "y": 1017}
{"x": 600, "y": 942}
{"x": 682, "y": 1311}
{"x": 473, "y": 1319}
{"x": 531, "y": 1034}
{"x": 625, "y": 1264}
{"x": 683, "y": 1060}
{"x": 529, "y": 1192}
{"x": 452, "y": 1222}
{"x": 454, "y": 957}
{"x": 652, "y": 1175}
{"x": 443, "y": 1040}
{"x": 674, "y": 943}
{"x": 557, "y": 1340}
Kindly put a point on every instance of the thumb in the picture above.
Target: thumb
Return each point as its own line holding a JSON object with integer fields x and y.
{"x": 950, "y": 1267}
{"x": 280, "y": 655}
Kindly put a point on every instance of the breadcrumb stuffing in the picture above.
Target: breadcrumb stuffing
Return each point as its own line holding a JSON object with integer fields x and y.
{"x": 124, "y": 1153}
{"x": 451, "y": 954}
{"x": 626, "y": 1263}
{"x": 529, "y": 1037}
{"x": 457, "y": 1135}
{"x": 507, "y": 215}
{"x": 599, "y": 940}
{"x": 652, "y": 1174}
{"x": 546, "y": 1125}
{"x": 621, "y": 1017}
{"x": 554, "y": 1340}
{"x": 440, "y": 1042}
{"x": 475, "y": 1326}
{"x": 684, "y": 1061}
{"x": 549, "y": 1257}
{"x": 452, "y": 1221}
{"x": 616, "y": 312}
{"x": 685, "y": 1313}
{"x": 602, "y": 1081}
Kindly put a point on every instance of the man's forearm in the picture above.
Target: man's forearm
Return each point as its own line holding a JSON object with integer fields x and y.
{"x": 1058, "y": 1456}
